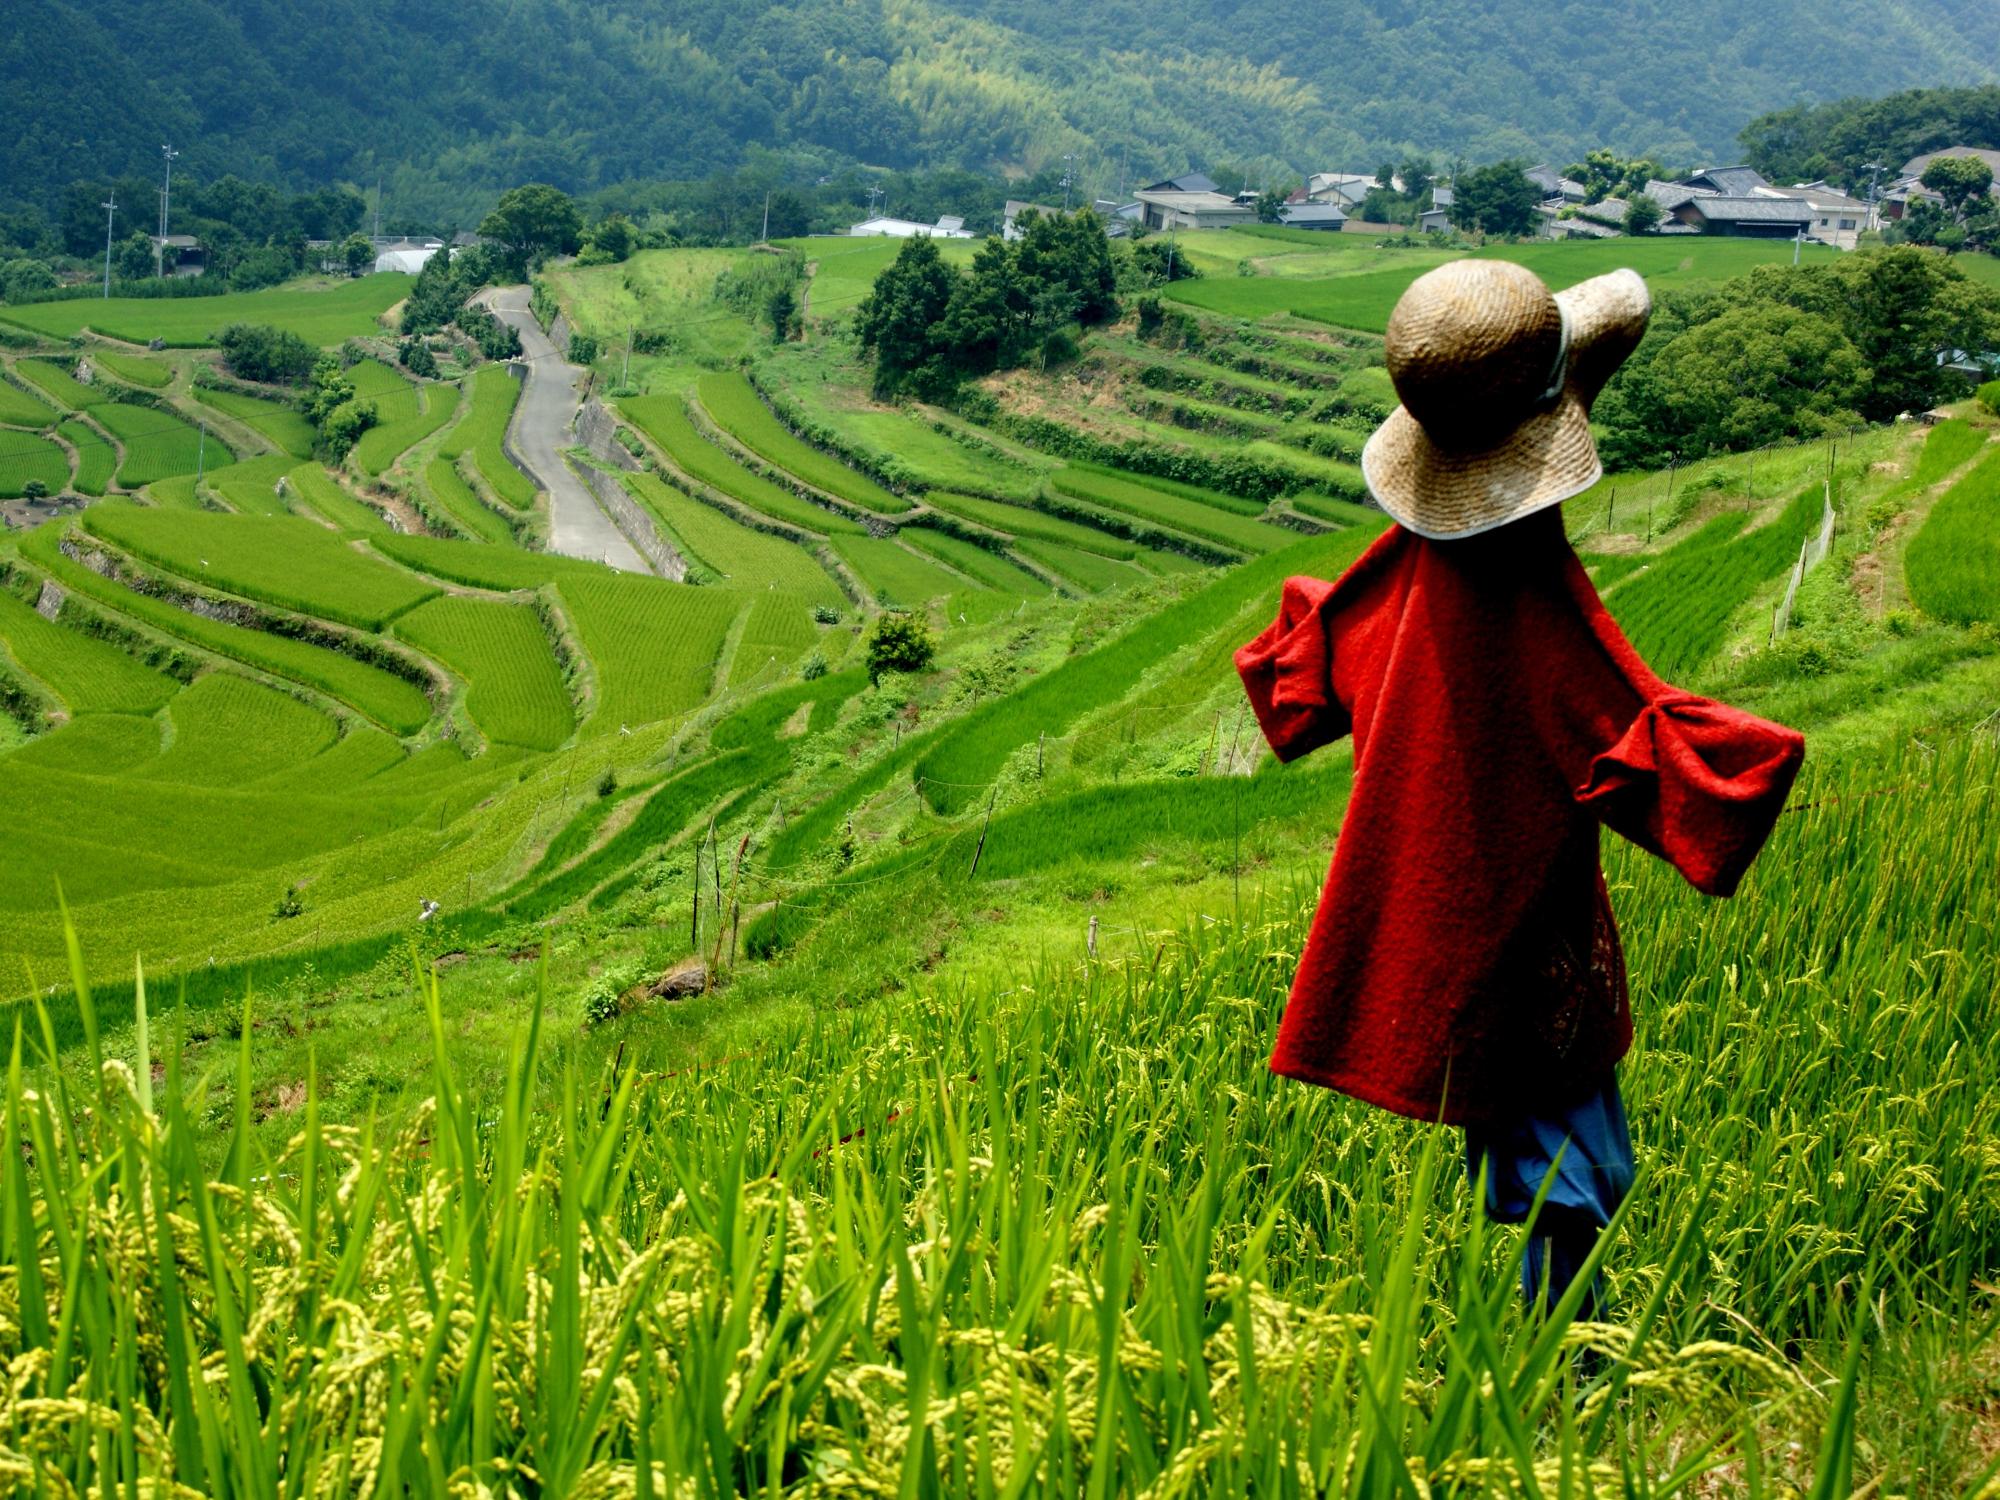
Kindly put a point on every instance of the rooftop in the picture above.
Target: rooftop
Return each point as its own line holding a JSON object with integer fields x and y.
{"x": 1752, "y": 210}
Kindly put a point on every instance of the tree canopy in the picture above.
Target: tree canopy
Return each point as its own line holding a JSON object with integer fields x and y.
{"x": 1497, "y": 199}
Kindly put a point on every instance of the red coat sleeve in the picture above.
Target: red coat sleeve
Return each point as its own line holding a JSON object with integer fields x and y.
{"x": 1696, "y": 783}
{"x": 1288, "y": 673}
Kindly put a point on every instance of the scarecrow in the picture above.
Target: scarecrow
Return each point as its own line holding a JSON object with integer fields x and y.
{"x": 1463, "y": 964}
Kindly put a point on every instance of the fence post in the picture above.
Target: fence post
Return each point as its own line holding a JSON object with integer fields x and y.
{"x": 981, "y": 849}
{"x": 1090, "y": 942}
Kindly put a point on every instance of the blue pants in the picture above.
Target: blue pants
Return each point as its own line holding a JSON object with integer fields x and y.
{"x": 1587, "y": 1185}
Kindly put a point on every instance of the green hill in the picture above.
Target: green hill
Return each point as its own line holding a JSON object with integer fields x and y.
{"x": 445, "y": 110}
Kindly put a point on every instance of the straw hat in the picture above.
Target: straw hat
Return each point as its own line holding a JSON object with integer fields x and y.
{"x": 1496, "y": 377}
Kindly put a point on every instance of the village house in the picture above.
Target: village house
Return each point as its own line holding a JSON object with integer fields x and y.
{"x": 1171, "y": 205}
{"x": 179, "y": 255}
{"x": 1345, "y": 189}
{"x": 1907, "y": 186}
{"x": 1757, "y": 216}
{"x": 1330, "y": 217}
{"x": 1838, "y": 219}
{"x": 1554, "y": 185}
{"x": 1727, "y": 182}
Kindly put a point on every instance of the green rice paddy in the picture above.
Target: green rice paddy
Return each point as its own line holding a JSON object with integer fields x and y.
{"x": 351, "y": 309}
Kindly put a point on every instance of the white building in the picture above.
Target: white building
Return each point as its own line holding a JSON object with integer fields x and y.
{"x": 948, "y": 227}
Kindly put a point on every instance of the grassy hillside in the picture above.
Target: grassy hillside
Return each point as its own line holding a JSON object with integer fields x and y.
{"x": 970, "y": 1135}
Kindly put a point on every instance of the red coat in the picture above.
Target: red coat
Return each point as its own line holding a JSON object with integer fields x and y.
{"x": 1463, "y": 964}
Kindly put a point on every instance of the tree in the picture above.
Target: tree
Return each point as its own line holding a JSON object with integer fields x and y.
{"x": 133, "y": 258}
{"x": 1605, "y": 174}
{"x": 22, "y": 279}
{"x": 358, "y": 252}
{"x": 895, "y": 319}
{"x": 257, "y": 351}
{"x": 531, "y": 223}
{"x": 986, "y": 324}
{"x": 1759, "y": 375}
{"x": 582, "y": 349}
{"x": 1158, "y": 264}
{"x": 611, "y": 239}
{"x": 1498, "y": 199}
{"x": 1643, "y": 214}
{"x": 898, "y": 643}
{"x": 1958, "y": 180}
{"x": 1271, "y": 207}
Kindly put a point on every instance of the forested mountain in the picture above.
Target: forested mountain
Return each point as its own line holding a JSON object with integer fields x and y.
{"x": 446, "y": 104}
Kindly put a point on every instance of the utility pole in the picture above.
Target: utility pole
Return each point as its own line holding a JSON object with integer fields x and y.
{"x": 110, "y": 207}
{"x": 201, "y": 468}
{"x": 1874, "y": 177}
{"x": 166, "y": 204}
{"x": 1069, "y": 174}
{"x": 625, "y": 380}
{"x": 1798, "y": 243}
{"x": 765, "y": 237}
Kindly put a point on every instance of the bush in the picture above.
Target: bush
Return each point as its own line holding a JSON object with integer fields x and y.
{"x": 825, "y": 614}
{"x": 607, "y": 783}
{"x": 814, "y": 669}
{"x": 416, "y": 357}
{"x": 1989, "y": 396}
{"x": 899, "y": 643}
{"x": 582, "y": 349}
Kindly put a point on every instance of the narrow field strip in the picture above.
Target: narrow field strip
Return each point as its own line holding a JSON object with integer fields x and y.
{"x": 664, "y": 419}
{"x": 733, "y": 404}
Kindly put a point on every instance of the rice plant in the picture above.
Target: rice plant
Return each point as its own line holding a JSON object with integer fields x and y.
{"x": 284, "y": 427}
{"x": 664, "y": 419}
{"x": 482, "y": 431}
{"x": 19, "y": 409}
{"x": 89, "y": 675}
{"x": 622, "y": 621}
{"x": 1953, "y": 562}
{"x": 95, "y": 457}
{"x": 381, "y": 445}
{"x": 26, "y": 459}
{"x": 728, "y": 549}
{"x": 157, "y": 443}
{"x": 515, "y": 691}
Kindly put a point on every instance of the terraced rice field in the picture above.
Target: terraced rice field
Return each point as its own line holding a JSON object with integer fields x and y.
{"x": 1678, "y": 610}
{"x": 622, "y": 621}
{"x": 392, "y": 701}
{"x": 1196, "y": 518}
{"x": 56, "y": 380}
{"x": 476, "y": 564}
{"x": 286, "y": 561}
{"x": 87, "y": 674}
{"x": 990, "y": 569}
{"x": 95, "y": 457}
{"x": 134, "y": 369}
{"x": 250, "y": 488}
{"x": 27, "y": 458}
{"x": 664, "y": 419}
{"x": 972, "y": 751}
{"x": 747, "y": 559}
{"x": 1090, "y": 572}
{"x": 158, "y": 444}
{"x": 483, "y": 429}
{"x": 778, "y": 632}
{"x": 382, "y": 445}
{"x": 1953, "y": 562}
{"x": 456, "y": 498}
{"x": 395, "y": 396}
{"x": 733, "y": 404}
{"x": 284, "y": 428}
{"x": 321, "y": 493}
{"x": 514, "y": 692}
{"x": 894, "y": 575}
{"x": 19, "y": 409}
{"x": 229, "y": 731}
{"x": 319, "y": 316}
{"x": 1020, "y": 521}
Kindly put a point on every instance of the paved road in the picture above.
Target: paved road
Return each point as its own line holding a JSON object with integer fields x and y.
{"x": 578, "y": 527}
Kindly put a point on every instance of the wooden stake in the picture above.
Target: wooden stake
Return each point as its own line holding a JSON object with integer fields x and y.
{"x": 981, "y": 849}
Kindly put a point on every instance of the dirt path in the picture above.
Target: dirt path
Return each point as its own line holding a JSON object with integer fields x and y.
{"x": 542, "y": 429}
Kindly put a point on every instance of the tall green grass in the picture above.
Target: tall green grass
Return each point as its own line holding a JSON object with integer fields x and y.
{"x": 1953, "y": 562}
{"x": 1061, "y": 1233}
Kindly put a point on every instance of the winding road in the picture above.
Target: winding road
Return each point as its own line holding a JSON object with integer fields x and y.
{"x": 578, "y": 526}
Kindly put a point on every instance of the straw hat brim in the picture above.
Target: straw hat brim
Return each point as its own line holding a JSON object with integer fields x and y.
{"x": 1443, "y": 495}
